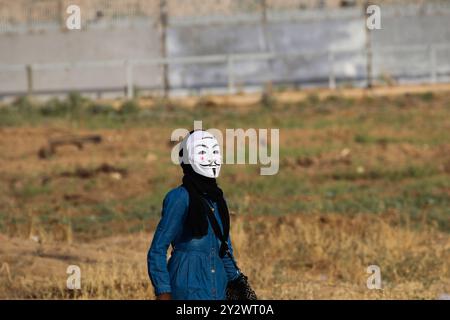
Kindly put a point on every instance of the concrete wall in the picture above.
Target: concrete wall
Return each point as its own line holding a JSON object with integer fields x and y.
{"x": 317, "y": 31}
{"x": 138, "y": 41}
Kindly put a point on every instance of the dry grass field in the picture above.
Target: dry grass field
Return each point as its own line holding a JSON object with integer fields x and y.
{"x": 363, "y": 180}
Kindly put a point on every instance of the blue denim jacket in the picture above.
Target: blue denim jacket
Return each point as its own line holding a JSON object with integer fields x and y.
{"x": 194, "y": 270}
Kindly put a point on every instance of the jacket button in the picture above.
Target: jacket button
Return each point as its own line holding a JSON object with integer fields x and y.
{"x": 212, "y": 270}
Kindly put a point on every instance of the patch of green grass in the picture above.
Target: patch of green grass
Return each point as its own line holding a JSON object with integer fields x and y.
{"x": 104, "y": 212}
{"x": 389, "y": 174}
{"x": 427, "y": 96}
{"x": 129, "y": 107}
{"x": 416, "y": 189}
{"x": 3, "y": 217}
{"x": 100, "y": 109}
{"x": 33, "y": 190}
{"x": 23, "y": 104}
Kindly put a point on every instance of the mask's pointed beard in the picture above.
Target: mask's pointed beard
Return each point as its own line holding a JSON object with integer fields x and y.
{"x": 214, "y": 171}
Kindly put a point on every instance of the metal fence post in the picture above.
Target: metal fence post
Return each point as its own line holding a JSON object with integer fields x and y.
{"x": 230, "y": 73}
{"x": 163, "y": 20}
{"x": 433, "y": 72}
{"x": 331, "y": 75}
{"x": 29, "y": 72}
{"x": 263, "y": 4}
{"x": 266, "y": 39}
{"x": 368, "y": 46}
{"x": 129, "y": 79}
{"x": 61, "y": 14}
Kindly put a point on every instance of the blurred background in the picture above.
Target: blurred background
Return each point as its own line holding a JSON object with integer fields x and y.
{"x": 364, "y": 117}
{"x": 192, "y": 47}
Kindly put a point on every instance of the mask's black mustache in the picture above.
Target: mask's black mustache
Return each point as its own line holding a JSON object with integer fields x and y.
{"x": 212, "y": 164}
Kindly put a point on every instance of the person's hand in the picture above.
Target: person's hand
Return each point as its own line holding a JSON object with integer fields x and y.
{"x": 164, "y": 296}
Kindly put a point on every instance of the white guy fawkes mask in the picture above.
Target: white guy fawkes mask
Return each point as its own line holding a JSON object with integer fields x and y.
{"x": 204, "y": 153}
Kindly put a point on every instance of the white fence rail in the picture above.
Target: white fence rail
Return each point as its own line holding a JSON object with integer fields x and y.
{"x": 436, "y": 70}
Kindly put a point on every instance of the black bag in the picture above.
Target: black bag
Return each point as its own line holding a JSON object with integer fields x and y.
{"x": 239, "y": 288}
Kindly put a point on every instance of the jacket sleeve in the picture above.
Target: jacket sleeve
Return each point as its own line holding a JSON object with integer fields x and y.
{"x": 174, "y": 211}
{"x": 230, "y": 269}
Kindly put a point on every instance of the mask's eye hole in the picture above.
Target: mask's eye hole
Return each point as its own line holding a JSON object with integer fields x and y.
{"x": 216, "y": 151}
{"x": 202, "y": 152}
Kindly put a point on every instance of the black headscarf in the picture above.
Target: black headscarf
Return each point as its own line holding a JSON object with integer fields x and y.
{"x": 200, "y": 188}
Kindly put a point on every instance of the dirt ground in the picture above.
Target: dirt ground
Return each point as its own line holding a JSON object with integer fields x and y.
{"x": 363, "y": 181}
{"x": 301, "y": 248}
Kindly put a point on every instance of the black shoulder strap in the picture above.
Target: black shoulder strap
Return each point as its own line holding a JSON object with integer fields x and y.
{"x": 224, "y": 249}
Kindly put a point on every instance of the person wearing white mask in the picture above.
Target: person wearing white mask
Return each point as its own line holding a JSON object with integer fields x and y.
{"x": 196, "y": 222}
